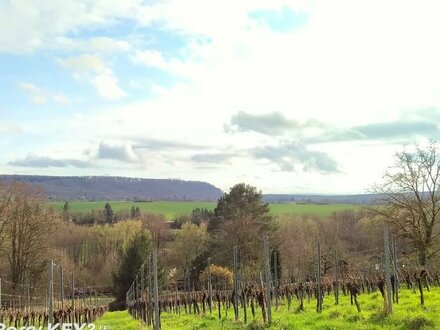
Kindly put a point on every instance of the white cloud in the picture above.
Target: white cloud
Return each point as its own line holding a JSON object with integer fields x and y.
{"x": 107, "y": 86}
{"x": 85, "y": 63}
{"x": 60, "y": 98}
{"x": 11, "y": 129}
{"x": 38, "y": 95}
{"x": 35, "y": 94}
{"x": 339, "y": 65}
{"x": 45, "y": 162}
{"x": 28, "y": 26}
{"x": 25, "y": 28}
{"x": 152, "y": 58}
{"x": 107, "y": 45}
{"x": 85, "y": 44}
{"x": 354, "y": 63}
{"x": 119, "y": 152}
{"x": 102, "y": 76}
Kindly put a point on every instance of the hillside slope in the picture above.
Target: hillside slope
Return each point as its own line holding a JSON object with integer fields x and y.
{"x": 118, "y": 188}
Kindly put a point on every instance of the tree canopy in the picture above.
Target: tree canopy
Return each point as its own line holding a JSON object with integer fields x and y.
{"x": 241, "y": 218}
{"x": 136, "y": 253}
{"x": 243, "y": 201}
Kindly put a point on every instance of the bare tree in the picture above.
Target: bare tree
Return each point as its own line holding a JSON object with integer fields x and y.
{"x": 28, "y": 230}
{"x": 5, "y": 202}
{"x": 190, "y": 242}
{"x": 411, "y": 198}
{"x": 158, "y": 228}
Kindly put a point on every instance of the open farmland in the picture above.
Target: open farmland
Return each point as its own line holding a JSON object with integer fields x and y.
{"x": 172, "y": 209}
{"x": 314, "y": 209}
{"x": 167, "y": 208}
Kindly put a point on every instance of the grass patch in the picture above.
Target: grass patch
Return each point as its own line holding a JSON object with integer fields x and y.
{"x": 119, "y": 320}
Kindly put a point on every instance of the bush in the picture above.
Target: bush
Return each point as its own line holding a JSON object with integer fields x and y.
{"x": 219, "y": 276}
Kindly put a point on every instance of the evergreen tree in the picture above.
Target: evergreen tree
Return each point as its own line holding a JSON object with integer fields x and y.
{"x": 108, "y": 213}
{"x": 241, "y": 218}
{"x": 137, "y": 253}
{"x": 66, "y": 208}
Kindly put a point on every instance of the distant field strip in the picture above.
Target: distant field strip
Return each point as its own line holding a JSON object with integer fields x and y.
{"x": 319, "y": 210}
{"x": 172, "y": 209}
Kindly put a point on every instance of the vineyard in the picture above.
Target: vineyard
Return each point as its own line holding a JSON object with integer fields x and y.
{"x": 390, "y": 293}
{"x": 408, "y": 314}
{"x": 58, "y": 302}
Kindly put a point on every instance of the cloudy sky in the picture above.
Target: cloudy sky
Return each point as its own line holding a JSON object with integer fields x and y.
{"x": 290, "y": 96}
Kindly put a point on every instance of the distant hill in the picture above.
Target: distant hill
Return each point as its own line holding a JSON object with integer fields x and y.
{"x": 118, "y": 188}
{"x": 323, "y": 199}
{"x": 98, "y": 188}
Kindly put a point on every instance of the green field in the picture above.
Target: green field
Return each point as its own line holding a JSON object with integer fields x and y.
{"x": 173, "y": 209}
{"x": 169, "y": 209}
{"x": 408, "y": 314}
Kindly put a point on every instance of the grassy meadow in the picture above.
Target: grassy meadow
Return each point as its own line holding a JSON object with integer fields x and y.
{"x": 408, "y": 314}
{"x": 172, "y": 209}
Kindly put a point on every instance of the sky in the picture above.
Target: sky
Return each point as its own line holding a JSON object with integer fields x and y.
{"x": 288, "y": 96}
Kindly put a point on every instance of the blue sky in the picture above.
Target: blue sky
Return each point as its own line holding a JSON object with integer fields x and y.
{"x": 281, "y": 20}
{"x": 290, "y": 96}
